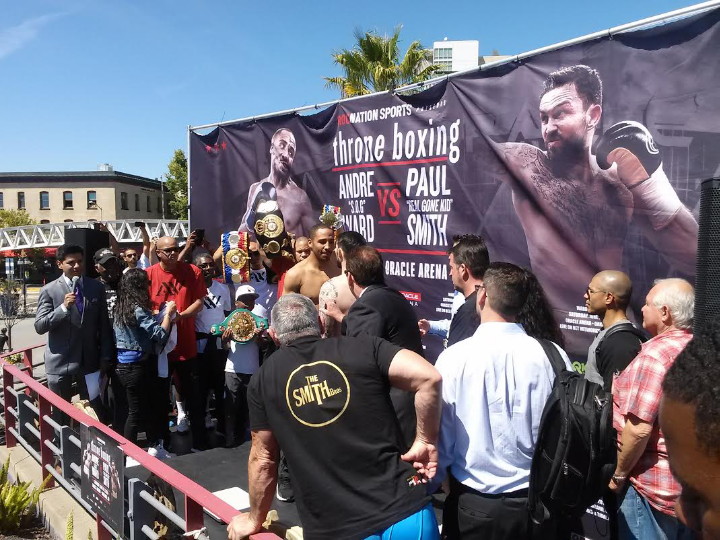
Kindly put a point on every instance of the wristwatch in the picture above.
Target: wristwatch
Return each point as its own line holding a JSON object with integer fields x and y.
{"x": 618, "y": 479}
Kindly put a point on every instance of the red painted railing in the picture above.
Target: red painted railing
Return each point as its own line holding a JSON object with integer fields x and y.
{"x": 196, "y": 497}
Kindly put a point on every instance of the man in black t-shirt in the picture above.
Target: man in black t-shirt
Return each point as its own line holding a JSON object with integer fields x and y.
{"x": 325, "y": 402}
{"x": 468, "y": 259}
{"x": 615, "y": 346}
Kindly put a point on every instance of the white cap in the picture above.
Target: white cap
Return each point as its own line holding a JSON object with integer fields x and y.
{"x": 245, "y": 290}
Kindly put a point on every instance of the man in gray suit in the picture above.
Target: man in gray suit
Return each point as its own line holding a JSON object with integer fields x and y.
{"x": 73, "y": 311}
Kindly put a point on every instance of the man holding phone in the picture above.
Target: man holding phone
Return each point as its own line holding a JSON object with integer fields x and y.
{"x": 142, "y": 260}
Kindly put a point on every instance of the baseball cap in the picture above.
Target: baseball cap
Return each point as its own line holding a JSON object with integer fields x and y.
{"x": 103, "y": 255}
{"x": 245, "y": 290}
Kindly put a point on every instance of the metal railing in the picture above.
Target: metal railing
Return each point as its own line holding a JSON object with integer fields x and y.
{"x": 53, "y": 234}
{"x": 28, "y": 415}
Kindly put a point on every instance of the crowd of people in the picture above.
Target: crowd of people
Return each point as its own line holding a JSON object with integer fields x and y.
{"x": 345, "y": 414}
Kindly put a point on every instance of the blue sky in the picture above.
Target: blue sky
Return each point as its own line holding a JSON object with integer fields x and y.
{"x": 85, "y": 82}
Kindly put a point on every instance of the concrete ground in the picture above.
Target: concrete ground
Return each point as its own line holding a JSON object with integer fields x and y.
{"x": 55, "y": 504}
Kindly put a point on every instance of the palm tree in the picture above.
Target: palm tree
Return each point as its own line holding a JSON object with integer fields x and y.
{"x": 374, "y": 65}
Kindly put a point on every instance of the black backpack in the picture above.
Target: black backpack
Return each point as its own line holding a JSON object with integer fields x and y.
{"x": 576, "y": 452}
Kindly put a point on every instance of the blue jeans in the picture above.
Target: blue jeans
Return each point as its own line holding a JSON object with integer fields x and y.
{"x": 638, "y": 520}
{"x": 421, "y": 525}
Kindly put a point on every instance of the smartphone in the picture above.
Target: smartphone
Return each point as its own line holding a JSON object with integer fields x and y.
{"x": 139, "y": 223}
{"x": 199, "y": 236}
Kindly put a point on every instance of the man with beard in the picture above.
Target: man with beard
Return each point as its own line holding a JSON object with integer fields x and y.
{"x": 576, "y": 206}
{"x": 308, "y": 276}
{"x": 279, "y": 186}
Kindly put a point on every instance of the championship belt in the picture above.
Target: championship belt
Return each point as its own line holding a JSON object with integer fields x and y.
{"x": 270, "y": 229}
{"x": 236, "y": 261}
{"x": 242, "y": 323}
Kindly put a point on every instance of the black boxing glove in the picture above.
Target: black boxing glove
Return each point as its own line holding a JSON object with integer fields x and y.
{"x": 632, "y": 147}
{"x": 266, "y": 193}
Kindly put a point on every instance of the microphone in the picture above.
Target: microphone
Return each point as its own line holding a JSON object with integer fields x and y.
{"x": 75, "y": 280}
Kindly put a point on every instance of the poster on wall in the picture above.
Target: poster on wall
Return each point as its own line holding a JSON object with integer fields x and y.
{"x": 569, "y": 162}
{"x": 102, "y": 478}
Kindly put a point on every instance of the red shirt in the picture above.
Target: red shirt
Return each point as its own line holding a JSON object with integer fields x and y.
{"x": 184, "y": 285}
{"x": 637, "y": 390}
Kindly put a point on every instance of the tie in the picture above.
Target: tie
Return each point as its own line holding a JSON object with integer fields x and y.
{"x": 79, "y": 299}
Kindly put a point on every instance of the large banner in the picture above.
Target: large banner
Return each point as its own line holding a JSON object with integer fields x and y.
{"x": 569, "y": 162}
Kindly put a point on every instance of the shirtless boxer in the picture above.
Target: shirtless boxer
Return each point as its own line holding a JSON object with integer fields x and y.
{"x": 307, "y": 276}
{"x": 337, "y": 290}
{"x": 574, "y": 206}
{"x": 292, "y": 199}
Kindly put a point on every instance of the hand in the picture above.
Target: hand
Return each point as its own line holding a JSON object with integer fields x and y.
{"x": 192, "y": 239}
{"x": 241, "y": 527}
{"x": 170, "y": 308}
{"x": 423, "y": 326}
{"x": 616, "y": 487}
{"x": 332, "y": 310}
{"x": 424, "y": 457}
{"x": 227, "y": 334}
{"x": 101, "y": 226}
{"x": 631, "y": 146}
{"x": 69, "y": 300}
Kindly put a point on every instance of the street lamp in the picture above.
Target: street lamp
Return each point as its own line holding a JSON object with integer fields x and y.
{"x": 22, "y": 263}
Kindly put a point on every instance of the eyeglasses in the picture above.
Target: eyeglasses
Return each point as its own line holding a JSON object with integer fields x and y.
{"x": 131, "y": 255}
{"x": 589, "y": 291}
{"x": 166, "y": 251}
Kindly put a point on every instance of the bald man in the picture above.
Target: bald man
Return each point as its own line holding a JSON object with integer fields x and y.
{"x": 308, "y": 276}
{"x": 302, "y": 248}
{"x": 614, "y": 347}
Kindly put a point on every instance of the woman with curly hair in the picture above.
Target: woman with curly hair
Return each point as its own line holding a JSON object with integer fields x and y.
{"x": 136, "y": 333}
{"x": 536, "y": 316}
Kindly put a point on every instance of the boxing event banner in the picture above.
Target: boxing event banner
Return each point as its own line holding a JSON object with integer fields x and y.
{"x": 570, "y": 162}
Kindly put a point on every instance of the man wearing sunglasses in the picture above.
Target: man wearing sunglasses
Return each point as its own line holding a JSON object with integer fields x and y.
{"x": 171, "y": 279}
{"x": 614, "y": 347}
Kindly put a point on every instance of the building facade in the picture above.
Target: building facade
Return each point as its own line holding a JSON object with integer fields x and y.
{"x": 104, "y": 195}
{"x": 460, "y": 55}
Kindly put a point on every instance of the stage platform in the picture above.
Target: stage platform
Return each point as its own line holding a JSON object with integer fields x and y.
{"x": 222, "y": 468}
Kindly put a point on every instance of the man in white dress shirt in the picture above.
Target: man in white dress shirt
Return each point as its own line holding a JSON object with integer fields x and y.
{"x": 495, "y": 385}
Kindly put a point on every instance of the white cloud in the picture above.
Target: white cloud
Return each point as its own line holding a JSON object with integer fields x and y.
{"x": 16, "y": 37}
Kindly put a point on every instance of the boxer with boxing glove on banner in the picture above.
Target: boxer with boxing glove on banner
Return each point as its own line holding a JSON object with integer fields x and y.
{"x": 576, "y": 206}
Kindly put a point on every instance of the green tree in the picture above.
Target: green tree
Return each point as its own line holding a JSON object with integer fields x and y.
{"x": 374, "y": 65}
{"x": 15, "y": 218}
{"x": 176, "y": 182}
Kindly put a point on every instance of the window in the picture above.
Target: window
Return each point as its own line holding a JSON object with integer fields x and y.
{"x": 137, "y": 202}
{"x": 44, "y": 200}
{"x": 21, "y": 200}
{"x": 149, "y": 206}
{"x": 443, "y": 57}
{"x": 67, "y": 200}
{"x": 68, "y": 220}
{"x": 123, "y": 201}
{"x": 2, "y": 202}
{"x": 159, "y": 206}
{"x": 44, "y": 221}
{"x": 91, "y": 199}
